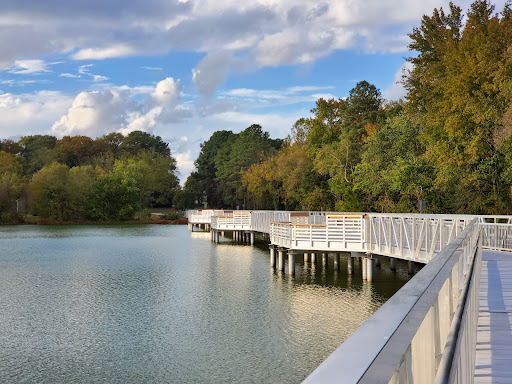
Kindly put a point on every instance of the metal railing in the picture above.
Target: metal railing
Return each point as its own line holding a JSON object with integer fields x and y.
{"x": 404, "y": 341}
{"x": 412, "y": 236}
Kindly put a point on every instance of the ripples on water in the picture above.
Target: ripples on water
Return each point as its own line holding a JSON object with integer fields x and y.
{"x": 133, "y": 304}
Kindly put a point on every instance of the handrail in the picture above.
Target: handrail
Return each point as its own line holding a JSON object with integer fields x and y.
{"x": 400, "y": 325}
{"x": 448, "y": 366}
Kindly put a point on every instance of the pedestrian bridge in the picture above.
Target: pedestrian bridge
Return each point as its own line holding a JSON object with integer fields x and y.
{"x": 414, "y": 237}
{"x": 450, "y": 323}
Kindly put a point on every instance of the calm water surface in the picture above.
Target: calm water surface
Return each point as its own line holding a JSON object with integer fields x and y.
{"x": 157, "y": 304}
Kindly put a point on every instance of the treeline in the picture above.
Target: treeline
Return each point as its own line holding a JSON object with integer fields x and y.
{"x": 78, "y": 178}
{"x": 448, "y": 144}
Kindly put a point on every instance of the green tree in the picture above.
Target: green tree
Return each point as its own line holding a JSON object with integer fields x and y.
{"x": 202, "y": 183}
{"x": 50, "y": 192}
{"x": 37, "y": 151}
{"x": 11, "y": 185}
{"x": 119, "y": 195}
{"x": 250, "y": 146}
{"x": 393, "y": 176}
{"x": 79, "y": 150}
{"x": 459, "y": 92}
{"x": 138, "y": 141}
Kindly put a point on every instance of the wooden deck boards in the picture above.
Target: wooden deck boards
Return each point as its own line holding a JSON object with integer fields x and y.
{"x": 493, "y": 362}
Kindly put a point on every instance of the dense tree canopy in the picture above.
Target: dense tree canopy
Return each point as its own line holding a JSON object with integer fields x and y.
{"x": 449, "y": 143}
{"x": 78, "y": 178}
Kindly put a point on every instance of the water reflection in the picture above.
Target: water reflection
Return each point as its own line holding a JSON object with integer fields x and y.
{"x": 159, "y": 304}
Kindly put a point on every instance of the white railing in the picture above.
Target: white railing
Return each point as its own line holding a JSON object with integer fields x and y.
{"x": 232, "y": 221}
{"x": 412, "y": 237}
{"x": 406, "y": 340}
{"x": 203, "y": 216}
{"x": 341, "y": 232}
{"x": 497, "y": 237}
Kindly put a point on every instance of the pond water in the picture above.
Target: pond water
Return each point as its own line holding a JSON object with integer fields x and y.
{"x": 158, "y": 304}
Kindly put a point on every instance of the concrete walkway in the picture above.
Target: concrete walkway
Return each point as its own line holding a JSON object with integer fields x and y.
{"x": 494, "y": 335}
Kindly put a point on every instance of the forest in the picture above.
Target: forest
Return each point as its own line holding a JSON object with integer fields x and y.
{"x": 447, "y": 144}
{"x": 76, "y": 179}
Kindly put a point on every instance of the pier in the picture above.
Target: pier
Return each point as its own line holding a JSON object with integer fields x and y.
{"x": 449, "y": 324}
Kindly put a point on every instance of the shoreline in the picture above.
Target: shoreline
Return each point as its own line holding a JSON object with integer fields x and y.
{"x": 180, "y": 221}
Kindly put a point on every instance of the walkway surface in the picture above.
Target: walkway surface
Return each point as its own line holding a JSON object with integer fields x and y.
{"x": 494, "y": 336}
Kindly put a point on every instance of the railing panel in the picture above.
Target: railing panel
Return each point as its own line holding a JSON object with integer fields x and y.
{"x": 403, "y": 341}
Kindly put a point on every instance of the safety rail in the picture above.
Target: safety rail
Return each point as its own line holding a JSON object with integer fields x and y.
{"x": 341, "y": 232}
{"x": 234, "y": 221}
{"x": 497, "y": 237}
{"x": 406, "y": 339}
{"x": 203, "y": 216}
{"x": 412, "y": 237}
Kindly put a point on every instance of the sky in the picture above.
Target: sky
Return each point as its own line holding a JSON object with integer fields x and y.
{"x": 183, "y": 69}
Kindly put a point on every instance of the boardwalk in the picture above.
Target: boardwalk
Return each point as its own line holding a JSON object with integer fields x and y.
{"x": 494, "y": 336}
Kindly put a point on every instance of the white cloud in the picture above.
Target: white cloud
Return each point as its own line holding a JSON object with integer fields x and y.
{"x": 25, "y": 114}
{"x": 167, "y": 92}
{"x": 396, "y": 90}
{"x": 234, "y": 36}
{"x": 84, "y": 69}
{"x": 152, "y": 68}
{"x": 120, "y": 50}
{"x": 25, "y": 67}
{"x": 185, "y": 163}
{"x": 115, "y": 109}
{"x": 70, "y": 75}
{"x": 98, "y": 78}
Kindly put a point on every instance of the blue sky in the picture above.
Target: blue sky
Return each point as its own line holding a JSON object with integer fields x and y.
{"x": 183, "y": 69}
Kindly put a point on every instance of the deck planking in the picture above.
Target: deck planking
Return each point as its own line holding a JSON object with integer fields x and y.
{"x": 493, "y": 360}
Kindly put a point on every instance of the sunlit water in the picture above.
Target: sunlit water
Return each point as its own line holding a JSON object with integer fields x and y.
{"x": 157, "y": 304}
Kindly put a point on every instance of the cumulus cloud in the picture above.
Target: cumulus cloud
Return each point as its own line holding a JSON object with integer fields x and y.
{"x": 26, "y": 114}
{"x": 397, "y": 90}
{"x": 98, "y": 112}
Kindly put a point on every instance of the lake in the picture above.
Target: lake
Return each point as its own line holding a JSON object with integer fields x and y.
{"x": 158, "y": 304}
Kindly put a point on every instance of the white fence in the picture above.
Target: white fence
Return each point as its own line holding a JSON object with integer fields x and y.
{"x": 235, "y": 220}
{"x": 203, "y": 216}
{"x": 340, "y": 232}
